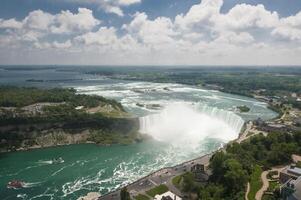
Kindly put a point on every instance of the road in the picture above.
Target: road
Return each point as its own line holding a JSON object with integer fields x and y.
{"x": 162, "y": 176}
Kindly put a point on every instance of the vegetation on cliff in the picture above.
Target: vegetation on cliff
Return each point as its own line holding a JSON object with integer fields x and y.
{"x": 28, "y": 115}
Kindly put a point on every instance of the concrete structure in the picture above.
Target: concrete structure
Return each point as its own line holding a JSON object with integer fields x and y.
{"x": 296, "y": 158}
{"x": 291, "y": 190}
{"x": 90, "y": 196}
{"x": 290, "y": 172}
{"x": 199, "y": 173}
{"x": 167, "y": 196}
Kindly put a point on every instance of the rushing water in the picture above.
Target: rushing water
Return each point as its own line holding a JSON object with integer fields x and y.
{"x": 185, "y": 121}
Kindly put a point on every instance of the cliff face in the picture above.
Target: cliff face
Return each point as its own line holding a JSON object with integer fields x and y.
{"x": 39, "y": 135}
{"x": 32, "y": 117}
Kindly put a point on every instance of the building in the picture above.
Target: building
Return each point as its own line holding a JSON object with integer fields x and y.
{"x": 290, "y": 172}
{"x": 291, "y": 190}
{"x": 167, "y": 196}
{"x": 199, "y": 173}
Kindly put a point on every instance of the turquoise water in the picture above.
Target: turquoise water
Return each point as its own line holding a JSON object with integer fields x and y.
{"x": 89, "y": 167}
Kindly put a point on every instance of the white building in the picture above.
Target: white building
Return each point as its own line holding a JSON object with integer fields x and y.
{"x": 167, "y": 196}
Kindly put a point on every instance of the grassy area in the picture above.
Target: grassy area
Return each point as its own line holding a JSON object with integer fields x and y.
{"x": 157, "y": 190}
{"x": 272, "y": 186}
{"x": 141, "y": 197}
{"x": 268, "y": 197}
{"x": 176, "y": 181}
{"x": 255, "y": 182}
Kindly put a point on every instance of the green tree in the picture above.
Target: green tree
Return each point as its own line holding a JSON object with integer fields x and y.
{"x": 188, "y": 182}
{"x": 235, "y": 177}
{"x": 124, "y": 194}
{"x": 216, "y": 164}
{"x": 211, "y": 192}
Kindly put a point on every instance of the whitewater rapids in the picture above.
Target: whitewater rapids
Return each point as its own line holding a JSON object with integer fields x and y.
{"x": 186, "y": 124}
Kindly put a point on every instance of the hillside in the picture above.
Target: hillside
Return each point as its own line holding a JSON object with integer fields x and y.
{"x": 32, "y": 118}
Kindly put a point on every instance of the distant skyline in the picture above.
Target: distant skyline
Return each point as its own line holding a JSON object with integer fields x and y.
{"x": 150, "y": 32}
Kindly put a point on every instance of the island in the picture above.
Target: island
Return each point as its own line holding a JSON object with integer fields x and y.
{"x": 243, "y": 108}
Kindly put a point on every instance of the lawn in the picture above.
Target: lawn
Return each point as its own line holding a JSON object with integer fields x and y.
{"x": 157, "y": 190}
{"x": 176, "y": 181}
{"x": 141, "y": 197}
{"x": 255, "y": 182}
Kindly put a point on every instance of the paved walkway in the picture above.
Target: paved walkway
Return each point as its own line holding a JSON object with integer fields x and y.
{"x": 265, "y": 185}
{"x": 265, "y": 181}
{"x": 247, "y": 192}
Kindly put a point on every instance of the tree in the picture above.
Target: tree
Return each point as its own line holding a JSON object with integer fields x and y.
{"x": 211, "y": 192}
{"x": 235, "y": 177}
{"x": 124, "y": 194}
{"x": 216, "y": 164}
{"x": 188, "y": 182}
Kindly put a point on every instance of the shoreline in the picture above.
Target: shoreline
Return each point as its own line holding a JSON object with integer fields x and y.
{"x": 241, "y": 137}
{"x": 205, "y": 157}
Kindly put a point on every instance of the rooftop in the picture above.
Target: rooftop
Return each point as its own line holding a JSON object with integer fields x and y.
{"x": 167, "y": 195}
{"x": 294, "y": 170}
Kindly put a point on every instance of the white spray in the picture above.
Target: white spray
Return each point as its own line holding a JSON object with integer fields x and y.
{"x": 185, "y": 124}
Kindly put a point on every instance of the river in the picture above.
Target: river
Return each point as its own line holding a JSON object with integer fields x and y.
{"x": 185, "y": 122}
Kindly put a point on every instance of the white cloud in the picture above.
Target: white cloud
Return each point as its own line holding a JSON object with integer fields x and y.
{"x": 55, "y": 45}
{"x": 200, "y": 16}
{"x": 246, "y": 34}
{"x": 64, "y": 22}
{"x": 289, "y": 28}
{"x": 67, "y": 22}
{"x": 245, "y": 16}
{"x": 154, "y": 32}
{"x": 104, "y": 36}
{"x": 11, "y": 23}
{"x": 109, "y": 6}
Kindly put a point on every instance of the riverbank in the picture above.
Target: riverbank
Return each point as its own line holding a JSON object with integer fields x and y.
{"x": 32, "y": 118}
{"x": 165, "y": 175}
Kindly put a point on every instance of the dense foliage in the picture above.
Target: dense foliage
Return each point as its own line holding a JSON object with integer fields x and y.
{"x": 19, "y": 97}
{"x": 281, "y": 81}
{"x": 240, "y": 163}
{"x": 21, "y": 125}
{"x": 124, "y": 194}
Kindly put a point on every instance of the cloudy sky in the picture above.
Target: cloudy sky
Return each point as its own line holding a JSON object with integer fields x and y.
{"x": 150, "y": 32}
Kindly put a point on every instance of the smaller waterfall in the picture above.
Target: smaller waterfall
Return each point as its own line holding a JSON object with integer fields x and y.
{"x": 182, "y": 123}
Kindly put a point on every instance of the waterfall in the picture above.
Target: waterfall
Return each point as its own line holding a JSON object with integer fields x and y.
{"x": 233, "y": 120}
{"x": 183, "y": 123}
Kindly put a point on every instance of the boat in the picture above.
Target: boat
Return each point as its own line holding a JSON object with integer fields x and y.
{"x": 15, "y": 184}
{"x": 58, "y": 160}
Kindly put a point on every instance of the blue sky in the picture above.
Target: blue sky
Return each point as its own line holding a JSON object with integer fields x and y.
{"x": 154, "y": 8}
{"x": 150, "y": 31}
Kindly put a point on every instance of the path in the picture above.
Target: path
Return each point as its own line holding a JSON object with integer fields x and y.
{"x": 265, "y": 185}
{"x": 265, "y": 181}
{"x": 247, "y": 192}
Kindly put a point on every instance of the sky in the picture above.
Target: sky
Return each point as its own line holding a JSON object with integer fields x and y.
{"x": 150, "y": 32}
